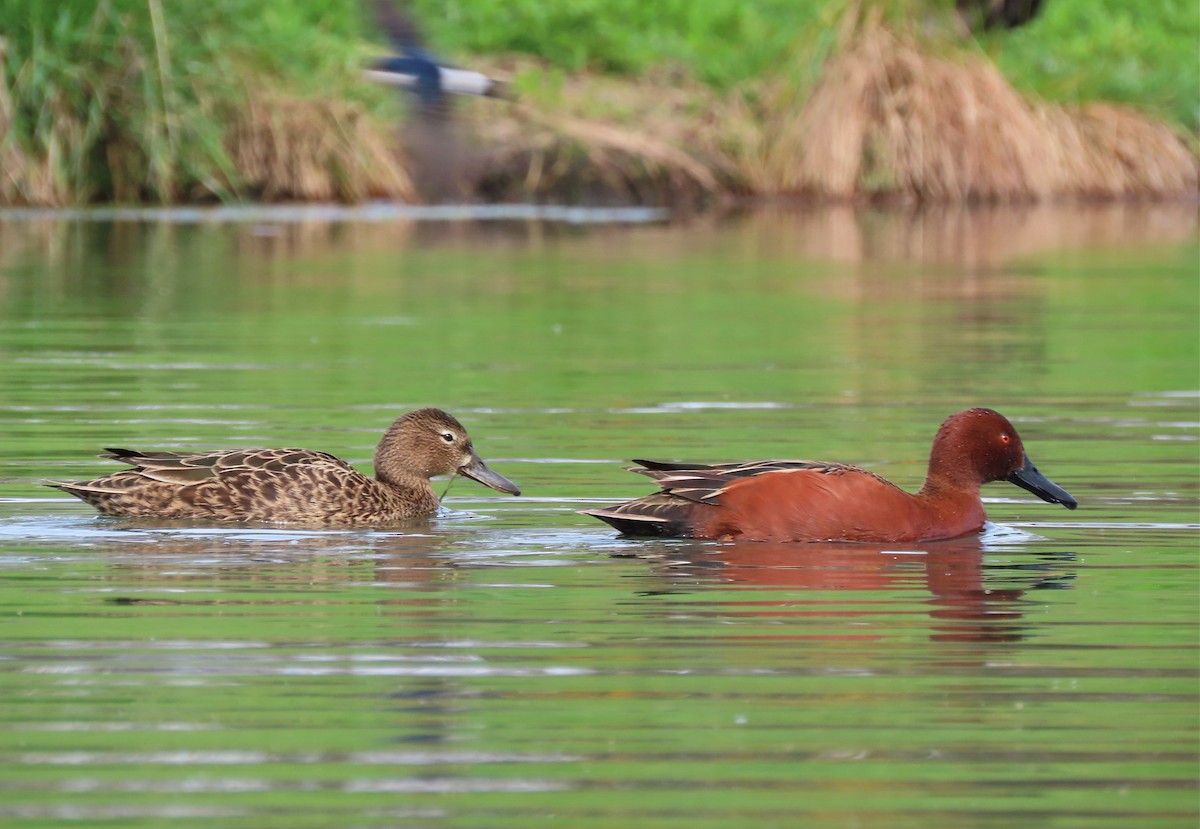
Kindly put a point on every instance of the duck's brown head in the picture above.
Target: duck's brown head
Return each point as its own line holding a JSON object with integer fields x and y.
{"x": 977, "y": 446}
{"x": 429, "y": 442}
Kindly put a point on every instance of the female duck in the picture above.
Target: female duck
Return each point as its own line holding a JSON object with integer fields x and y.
{"x": 294, "y": 486}
{"x": 818, "y": 501}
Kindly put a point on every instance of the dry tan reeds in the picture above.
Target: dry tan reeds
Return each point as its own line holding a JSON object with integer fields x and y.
{"x": 315, "y": 149}
{"x": 602, "y": 139}
{"x": 560, "y": 153}
{"x": 888, "y": 118}
{"x": 23, "y": 179}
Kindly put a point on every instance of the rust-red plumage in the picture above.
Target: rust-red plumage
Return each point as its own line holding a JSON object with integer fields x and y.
{"x": 819, "y": 501}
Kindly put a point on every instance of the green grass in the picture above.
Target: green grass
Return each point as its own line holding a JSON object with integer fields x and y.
{"x": 1145, "y": 54}
{"x": 722, "y": 42}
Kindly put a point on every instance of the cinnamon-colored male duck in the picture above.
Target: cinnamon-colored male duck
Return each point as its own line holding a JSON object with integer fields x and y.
{"x": 819, "y": 501}
{"x": 294, "y": 486}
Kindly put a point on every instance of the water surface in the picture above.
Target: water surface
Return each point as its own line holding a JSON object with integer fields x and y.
{"x": 513, "y": 663}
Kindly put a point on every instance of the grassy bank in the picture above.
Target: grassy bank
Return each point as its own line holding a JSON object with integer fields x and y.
{"x": 617, "y": 100}
{"x": 141, "y": 100}
{"x": 1141, "y": 54}
{"x": 1074, "y": 51}
{"x": 885, "y": 101}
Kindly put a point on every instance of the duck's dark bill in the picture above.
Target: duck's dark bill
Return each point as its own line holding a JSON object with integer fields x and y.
{"x": 477, "y": 470}
{"x": 1028, "y": 477}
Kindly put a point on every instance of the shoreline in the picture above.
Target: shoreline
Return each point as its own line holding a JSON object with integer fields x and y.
{"x": 889, "y": 119}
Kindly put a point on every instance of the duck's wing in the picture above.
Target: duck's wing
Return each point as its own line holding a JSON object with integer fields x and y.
{"x": 689, "y": 494}
{"x": 416, "y": 67}
{"x": 183, "y": 468}
{"x": 771, "y": 500}
{"x": 705, "y": 483}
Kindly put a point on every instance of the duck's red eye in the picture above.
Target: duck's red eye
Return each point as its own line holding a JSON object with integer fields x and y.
{"x": 1005, "y": 439}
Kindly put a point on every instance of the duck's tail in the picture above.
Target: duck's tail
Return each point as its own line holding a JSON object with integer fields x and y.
{"x": 87, "y": 491}
{"x": 654, "y": 516}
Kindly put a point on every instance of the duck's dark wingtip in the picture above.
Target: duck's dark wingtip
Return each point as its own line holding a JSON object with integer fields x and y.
{"x": 612, "y": 513}
{"x": 80, "y": 489}
{"x": 636, "y": 526}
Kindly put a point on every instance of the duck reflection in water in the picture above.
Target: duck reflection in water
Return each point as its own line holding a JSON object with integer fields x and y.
{"x": 961, "y": 604}
{"x": 161, "y": 550}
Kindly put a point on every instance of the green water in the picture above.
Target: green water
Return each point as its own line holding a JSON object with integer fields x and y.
{"x": 513, "y": 663}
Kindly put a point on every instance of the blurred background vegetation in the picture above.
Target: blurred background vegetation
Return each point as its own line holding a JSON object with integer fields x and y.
{"x": 142, "y": 100}
{"x": 1146, "y": 54}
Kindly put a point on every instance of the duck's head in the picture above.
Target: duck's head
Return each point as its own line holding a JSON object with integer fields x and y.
{"x": 978, "y": 446}
{"x": 429, "y": 442}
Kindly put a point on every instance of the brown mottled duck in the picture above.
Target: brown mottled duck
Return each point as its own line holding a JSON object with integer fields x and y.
{"x": 294, "y": 486}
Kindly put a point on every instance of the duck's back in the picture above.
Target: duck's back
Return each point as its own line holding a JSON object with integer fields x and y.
{"x": 296, "y": 486}
{"x": 776, "y": 501}
{"x": 822, "y": 502}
